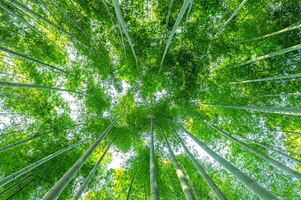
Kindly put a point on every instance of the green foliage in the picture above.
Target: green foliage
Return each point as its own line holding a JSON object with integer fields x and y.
{"x": 125, "y": 58}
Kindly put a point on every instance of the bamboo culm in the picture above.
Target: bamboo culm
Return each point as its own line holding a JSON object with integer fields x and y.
{"x": 90, "y": 176}
{"x": 15, "y": 185}
{"x": 20, "y": 189}
{"x": 131, "y": 185}
{"x": 153, "y": 171}
{"x": 283, "y": 111}
{"x": 244, "y": 178}
{"x": 273, "y": 54}
{"x": 290, "y": 28}
{"x": 259, "y": 154}
{"x": 123, "y": 26}
{"x": 23, "y": 85}
{"x": 290, "y": 76}
{"x": 35, "y": 61}
{"x": 183, "y": 181}
{"x": 35, "y": 15}
{"x": 272, "y": 149}
{"x": 173, "y": 32}
{"x": 21, "y": 142}
{"x": 19, "y": 173}
{"x": 208, "y": 180}
{"x": 32, "y": 27}
{"x": 229, "y": 20}
{"x": 60, "y": 185}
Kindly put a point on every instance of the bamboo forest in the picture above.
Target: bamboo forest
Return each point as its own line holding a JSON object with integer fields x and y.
{"x": 150, "y": 99}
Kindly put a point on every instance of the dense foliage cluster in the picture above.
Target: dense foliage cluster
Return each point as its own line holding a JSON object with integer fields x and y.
{"x": 164, "y": 86}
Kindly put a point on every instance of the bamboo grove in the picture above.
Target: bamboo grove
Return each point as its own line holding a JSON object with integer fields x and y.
{"x": 150, "y": 99}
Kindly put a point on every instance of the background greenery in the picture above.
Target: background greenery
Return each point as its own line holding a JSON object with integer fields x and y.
{"x": 110, "y": 67}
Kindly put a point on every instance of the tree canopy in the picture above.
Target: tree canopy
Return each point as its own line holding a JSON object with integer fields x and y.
{"x": 193, "y": 99}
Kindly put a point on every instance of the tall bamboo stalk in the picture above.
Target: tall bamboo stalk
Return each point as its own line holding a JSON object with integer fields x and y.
{"x": 173, "y": 31}
{"x": 183, "y": 181}
{"x": 230, "y": 19}
{"x": 19, "y": 173}
{"x": 153, "y": 171}
{"x": 20, "y": 189}
{"x": 124, "y": 28}
{"x": 270, "y": 55}
{"x": 244, "y": 178}
{"x": 32, "y": 86}
{"x": 25, "y": 9}
{"x": 21, "y": 142}
{"x": 32, "y": 27}
{"x": 273, "y": 149}
{"x": 131, "y": 185}
{"x": 90, "y": 176}
{"x": 35, "y": 61}
{"x": 290, "y": 76}
{"x": 289, "y": 28}
{"x": 15, "y": 184}
{"x": 208, "y": 180}
{"x": 61, "y": 184}
{"x": 259, "y": 154}
{"x": 283, "y": 111}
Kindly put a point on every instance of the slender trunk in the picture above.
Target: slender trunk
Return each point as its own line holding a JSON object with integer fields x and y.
{"x": 35, "y": 15}
{"x": 272, "y": 149}
{"x": 183, "y": 181}
{"x": 153, "y": 171}
{"x": 90, "y": 176}
{"x": 35, "y": 61}
{"x": 38, "y": 163}
{"x": 118, "y": 29}
{"x": 44, "y": 6}
{"x": 74, "y": 7}
{"x": 22, "y": 85}
{"x": 279, "y": 95}
{"x": 15, "y": 185}
{"x": 291, "y": 76}
{"x": 131, "y": 185}
{"x": 123, "y": 26}
{"x": 173, "y": 32}
{"x": 20, "y": 189}
{"x": 277, "y": 53}
{"x": 281, "y": 149}
{"x": 108, "y": 11}
{"x": 208, "y": 180}
{"x": 60, "y": 185}
{"x": 32, "y": 27}
{"x": 10, "y": 23}
{"x": 283, "y": 111}
{"x": 66, "y": 15}
{"x": 168, "y": 14}
{"x": 290, "y": 28}
{"x": 244, "y": 178}
{"x": 122, "y": 39}
{"x": 229, "y": 20}
{"x": 195, "y": 193}
{"x": 259, "y": 154}
{"x": 187, "y": 16}
{"x": 19, "y": 143}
